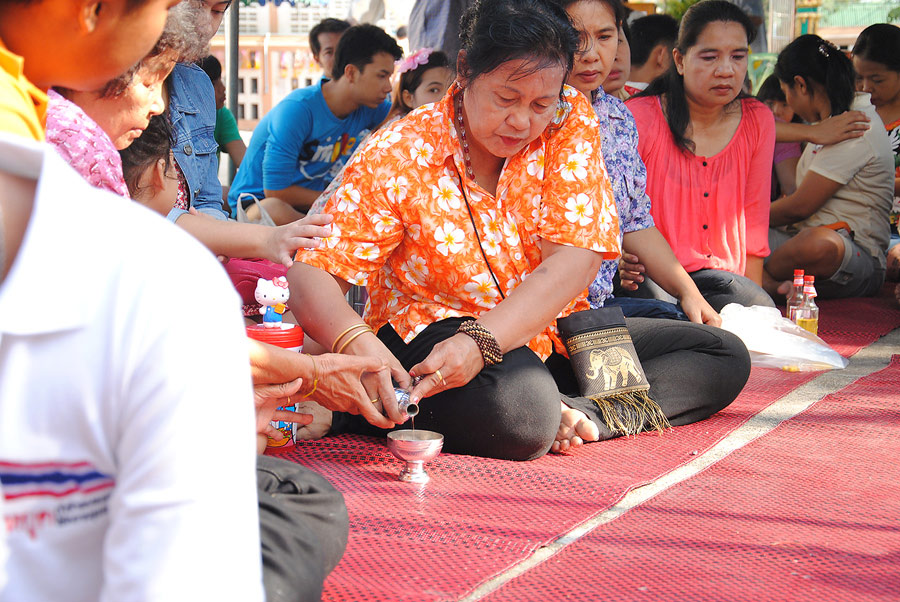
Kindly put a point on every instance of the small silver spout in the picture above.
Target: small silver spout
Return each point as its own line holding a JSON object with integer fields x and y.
{"x": 407, "y": 409}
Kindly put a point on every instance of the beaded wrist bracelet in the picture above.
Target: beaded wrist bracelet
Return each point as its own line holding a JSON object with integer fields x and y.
{"x": 487, "y": 344}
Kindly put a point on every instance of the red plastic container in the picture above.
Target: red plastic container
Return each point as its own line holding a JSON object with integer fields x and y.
{"x": 289, "y": 336}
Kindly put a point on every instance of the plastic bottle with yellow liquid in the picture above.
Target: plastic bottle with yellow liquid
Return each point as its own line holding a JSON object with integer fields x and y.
{"x": 808, "y": 312}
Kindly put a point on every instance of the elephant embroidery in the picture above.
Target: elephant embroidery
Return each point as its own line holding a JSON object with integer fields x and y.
{"x": 612, "y": 363}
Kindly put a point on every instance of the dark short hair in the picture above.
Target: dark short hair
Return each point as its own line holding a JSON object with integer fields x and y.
{"x": 212, "y": 66}
{"x": 493, "y": 32}
{"x": 153, "y": 144}
{"x": 359, "y": 45}
{"x": 816, "y": 60}
{"x": 412, "y": 79}
{"x": 649, "y": 32}
{"x": 879, "y": 43}
{"x": 328, "y": 25}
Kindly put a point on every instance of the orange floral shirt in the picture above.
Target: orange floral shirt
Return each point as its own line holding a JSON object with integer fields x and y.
{"x": 401, "y": 225}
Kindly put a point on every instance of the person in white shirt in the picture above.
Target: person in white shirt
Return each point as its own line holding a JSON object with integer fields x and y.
{"x": 117, "y": 485}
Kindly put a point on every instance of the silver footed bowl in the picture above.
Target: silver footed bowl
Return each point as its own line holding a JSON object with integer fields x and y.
{"x": 415, "y": 447}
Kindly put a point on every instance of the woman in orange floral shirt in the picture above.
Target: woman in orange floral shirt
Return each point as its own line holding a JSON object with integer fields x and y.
{"x": 474, "y": 222}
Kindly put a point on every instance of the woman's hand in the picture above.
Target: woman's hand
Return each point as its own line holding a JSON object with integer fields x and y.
{"x": 379, "y": 390}
{"x": 631, "y": 271}
{"x": 268, "y": 398}
{"x": 699, "y": 311}
{"x": 850, "y": 124}
{"x": 283, "y": 241}
{"x": 340, "y": 385}
{"x": 451, "y": 363}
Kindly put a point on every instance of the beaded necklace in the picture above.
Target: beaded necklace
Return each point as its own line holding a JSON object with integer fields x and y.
{"x": 458, "y": 101}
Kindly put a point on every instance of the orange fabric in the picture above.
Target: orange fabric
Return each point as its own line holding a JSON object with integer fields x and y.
{"x": 23, "y": 106}
{"x": 402, "y": 227}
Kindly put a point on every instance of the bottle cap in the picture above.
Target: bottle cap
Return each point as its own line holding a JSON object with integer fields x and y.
{"x": 798, "y": 273}
{"x": 808, "y": 279}
{"x": 289, "y": 336}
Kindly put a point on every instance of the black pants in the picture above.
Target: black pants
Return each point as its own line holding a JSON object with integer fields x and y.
{"x": 303, "y": 529}
{"x": 511, "y": 410}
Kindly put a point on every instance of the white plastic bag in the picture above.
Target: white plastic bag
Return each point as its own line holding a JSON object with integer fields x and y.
{"x": 776, "y": 342}
{"x": 264, "y": 218}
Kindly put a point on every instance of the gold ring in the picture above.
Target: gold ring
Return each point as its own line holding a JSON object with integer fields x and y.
{"x": 289, "y": 400}
{"x": 440, "y": 376}
{"x": 374, "y": 400}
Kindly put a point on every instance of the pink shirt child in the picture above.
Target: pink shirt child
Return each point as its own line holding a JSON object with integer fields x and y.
{"x": 84, "y": 145}
{"x": 713, "y": 211}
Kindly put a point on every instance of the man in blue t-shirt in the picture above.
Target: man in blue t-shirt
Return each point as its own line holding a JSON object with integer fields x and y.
{"x": 302, "y": 143}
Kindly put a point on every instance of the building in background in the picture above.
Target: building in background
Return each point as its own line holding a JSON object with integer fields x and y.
{"x": 274, "y": 47}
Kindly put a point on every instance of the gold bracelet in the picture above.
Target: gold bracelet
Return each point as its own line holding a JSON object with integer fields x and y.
{"x": 353, "y": 337}
{"x": 315, "y": 375}
{"x": 340, "y": 336}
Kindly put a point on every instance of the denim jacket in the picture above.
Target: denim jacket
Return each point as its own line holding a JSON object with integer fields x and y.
{"x": 192, "y": 109}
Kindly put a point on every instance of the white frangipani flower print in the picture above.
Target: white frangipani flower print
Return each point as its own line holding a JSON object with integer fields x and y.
{"x": 483, "y": 290}
{"x": 421, "y": 152}
{"x": 536, "y": 164}
{"x": 450, "y": 238}
{"x": 366, "y": 251}
{"x": 347, "y": 198}
{"x": 574, "y": 168}
{"x": 397, "y": 188}
{"x": 579, "y": 209}
{"x": 447, "y": 194}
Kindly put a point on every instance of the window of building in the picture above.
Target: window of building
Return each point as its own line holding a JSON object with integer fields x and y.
{"x": 241, "y": 111}
{"x": 240, "y": 85}
{"x": 254, "y": 85}
{"x": 254, "y": 111}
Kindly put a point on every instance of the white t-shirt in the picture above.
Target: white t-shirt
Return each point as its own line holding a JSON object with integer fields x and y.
{"x": 865, "y": 167}
{"x": 127, "y": 443}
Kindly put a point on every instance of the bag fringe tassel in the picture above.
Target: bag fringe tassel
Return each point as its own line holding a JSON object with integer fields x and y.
{"x": 631, "y": 413}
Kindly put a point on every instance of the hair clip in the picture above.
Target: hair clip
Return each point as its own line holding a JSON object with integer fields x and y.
{"x": 825, "y": 48}
{"x": 415, "y": 60}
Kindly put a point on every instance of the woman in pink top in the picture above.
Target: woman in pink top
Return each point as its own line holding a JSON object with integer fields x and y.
{"x": 708, "y": 149}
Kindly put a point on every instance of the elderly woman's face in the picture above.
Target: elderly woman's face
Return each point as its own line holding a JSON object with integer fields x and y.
{"x": 510, "y": 106}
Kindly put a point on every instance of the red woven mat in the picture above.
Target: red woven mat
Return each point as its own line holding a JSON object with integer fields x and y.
{"x": 478, "y": 517}
{"x": 809, "y": 512}
{"x": 848, "y": 325}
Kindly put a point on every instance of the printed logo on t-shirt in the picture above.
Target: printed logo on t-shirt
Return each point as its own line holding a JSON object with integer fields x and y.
{"x": 39, "y": 495}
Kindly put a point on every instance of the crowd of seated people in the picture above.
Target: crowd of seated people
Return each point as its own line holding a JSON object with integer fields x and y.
{"x": 562, "y": 169}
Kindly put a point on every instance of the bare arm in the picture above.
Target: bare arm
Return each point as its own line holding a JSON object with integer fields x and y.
{"x": 665, "y": 270}
{"x": 786, "y": 172}
{"x": 236, "y": 150}
{"x": 278, "y": 244}
{"x": 298, "y": 197}
{"x": 837, "y": 128}
{"x": 813, "y": 192}
{"x": 754, "y": 269}
{"x": 317, "y": 300}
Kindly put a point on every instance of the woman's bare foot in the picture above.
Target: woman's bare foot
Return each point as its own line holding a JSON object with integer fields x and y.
{"x": 893, "y": 264}
{"x": 575, "y": 428}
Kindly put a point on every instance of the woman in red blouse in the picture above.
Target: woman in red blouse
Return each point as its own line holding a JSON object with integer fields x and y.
{"x": 708, "y": 149}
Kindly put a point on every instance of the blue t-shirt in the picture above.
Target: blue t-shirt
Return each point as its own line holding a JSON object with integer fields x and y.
{"x": 300, "y": 142}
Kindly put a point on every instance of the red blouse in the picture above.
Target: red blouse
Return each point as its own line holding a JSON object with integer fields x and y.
{"x": 713, "y": 211}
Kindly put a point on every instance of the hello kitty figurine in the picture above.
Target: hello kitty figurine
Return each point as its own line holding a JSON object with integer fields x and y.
{"x": 272, "y": 295}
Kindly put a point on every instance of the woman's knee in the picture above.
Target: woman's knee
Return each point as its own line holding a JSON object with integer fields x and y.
{"x": 513, "y": 414}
